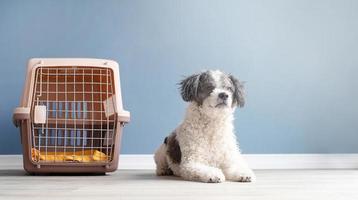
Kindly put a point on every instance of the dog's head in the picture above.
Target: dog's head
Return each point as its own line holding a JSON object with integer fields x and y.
{"x": 213, "y": 90}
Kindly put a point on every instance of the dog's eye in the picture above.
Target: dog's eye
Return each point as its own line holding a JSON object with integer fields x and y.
{"x": 209, "y": 88}
{"x": 230, "y": 89}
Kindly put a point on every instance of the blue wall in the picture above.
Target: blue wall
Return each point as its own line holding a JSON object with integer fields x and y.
{"x": 299, "y": 58}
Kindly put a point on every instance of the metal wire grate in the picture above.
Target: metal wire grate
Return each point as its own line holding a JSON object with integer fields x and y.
{"x": 80, "y": 115}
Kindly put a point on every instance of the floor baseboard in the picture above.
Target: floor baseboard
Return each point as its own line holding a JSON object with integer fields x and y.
{"x": 256, "y": 161}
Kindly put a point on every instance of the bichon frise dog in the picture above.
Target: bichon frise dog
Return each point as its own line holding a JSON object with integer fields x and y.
{"x": 203, "y": 147}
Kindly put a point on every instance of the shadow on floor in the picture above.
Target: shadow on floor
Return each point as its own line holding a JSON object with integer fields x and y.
{"x": 120, "y": 174}
{"x": 153, "y": 176}
{"x": 21, "y": 172}
{"x": 145, "y": 175}
{"x": 13, "y": 172}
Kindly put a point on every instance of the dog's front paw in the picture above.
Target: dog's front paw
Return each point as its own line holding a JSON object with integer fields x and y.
{"x": 214, "y": 176}
{"x": 246, "y": 176}
{"x": 240, "y": 174}
{"x": 215, "y": 179}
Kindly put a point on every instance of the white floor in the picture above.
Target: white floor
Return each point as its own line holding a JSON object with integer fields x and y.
{"x": 143, "y": 184}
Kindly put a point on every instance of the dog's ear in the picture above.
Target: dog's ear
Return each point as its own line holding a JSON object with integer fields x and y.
{"x": 189, "y": 87}
{"x": 239, "y": 92}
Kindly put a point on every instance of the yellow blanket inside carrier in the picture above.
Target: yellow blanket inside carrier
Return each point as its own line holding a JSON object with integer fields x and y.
{"x": 77, "y": 156}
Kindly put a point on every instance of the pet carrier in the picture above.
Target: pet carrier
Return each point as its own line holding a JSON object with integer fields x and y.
{"x": 71, "y": 116}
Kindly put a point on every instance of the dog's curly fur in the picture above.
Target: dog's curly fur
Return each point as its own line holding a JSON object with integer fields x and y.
{"x": 204, "y": 147}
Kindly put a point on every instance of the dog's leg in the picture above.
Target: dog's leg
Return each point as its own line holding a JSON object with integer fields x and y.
{"x": 200, "y": 172}
{"x": 237, "y": 170}
{"x": 162, "y": 167}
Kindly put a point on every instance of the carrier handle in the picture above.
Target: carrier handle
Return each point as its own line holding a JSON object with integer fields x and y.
{"x": 124, "y": 116}
{"x": 20, "y": 114}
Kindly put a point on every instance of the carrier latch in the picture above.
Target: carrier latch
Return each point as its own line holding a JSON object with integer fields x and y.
{"x": 40, "y": 114}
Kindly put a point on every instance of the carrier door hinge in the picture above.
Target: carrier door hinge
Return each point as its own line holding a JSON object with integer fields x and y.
{"x": 20, "y": 114}
{"x": 124, "y": 117}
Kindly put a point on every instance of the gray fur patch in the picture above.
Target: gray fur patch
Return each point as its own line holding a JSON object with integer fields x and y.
{"x": 205, "y": 87}
{"x": 189, "y": 87}
{"x": 239, "y": 93}
{"x": 173, "y": 148}
{"x": 197, "y": 87}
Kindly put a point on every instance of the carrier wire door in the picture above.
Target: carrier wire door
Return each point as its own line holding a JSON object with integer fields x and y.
{"x": 71, "y": 116}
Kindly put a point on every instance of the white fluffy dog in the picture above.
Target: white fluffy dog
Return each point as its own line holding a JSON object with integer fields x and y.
{"x": 203, "y": 147}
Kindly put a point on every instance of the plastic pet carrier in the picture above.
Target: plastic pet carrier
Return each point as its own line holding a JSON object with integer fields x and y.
{"x": 71, "y": 116}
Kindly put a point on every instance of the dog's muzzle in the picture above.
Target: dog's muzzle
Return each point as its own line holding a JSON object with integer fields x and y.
{"x": 222, "y": 100}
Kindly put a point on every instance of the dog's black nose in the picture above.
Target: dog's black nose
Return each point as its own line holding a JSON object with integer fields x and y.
{"x": 223, "y": 95}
